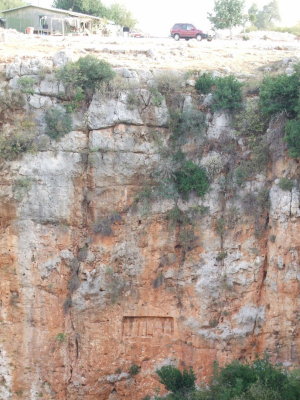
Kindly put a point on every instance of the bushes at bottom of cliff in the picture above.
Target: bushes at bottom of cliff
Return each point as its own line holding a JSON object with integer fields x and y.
{"x": 259, "y": 380}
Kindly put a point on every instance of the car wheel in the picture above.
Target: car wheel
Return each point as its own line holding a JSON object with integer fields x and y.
{"x": 176, "y": 36}
{"x": 187, "y": 38}
{"x": 209, "y": 38}
{"x": 199, "y": 38}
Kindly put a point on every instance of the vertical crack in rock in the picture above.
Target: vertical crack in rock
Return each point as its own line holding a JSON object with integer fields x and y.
{"x": 74, "y": 281}
{"x": 291, "y": 200}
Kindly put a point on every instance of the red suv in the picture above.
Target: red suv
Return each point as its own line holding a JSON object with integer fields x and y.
{"x": 187, "y": 31}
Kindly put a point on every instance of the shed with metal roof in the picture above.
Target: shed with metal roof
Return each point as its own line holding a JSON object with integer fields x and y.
{"x": 49, "y": 20}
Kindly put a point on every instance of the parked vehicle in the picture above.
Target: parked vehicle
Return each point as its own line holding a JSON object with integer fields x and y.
{"x": 188, "y": 31}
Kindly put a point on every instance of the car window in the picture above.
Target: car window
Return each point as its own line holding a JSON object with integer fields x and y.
{"x": 190, "y": 27}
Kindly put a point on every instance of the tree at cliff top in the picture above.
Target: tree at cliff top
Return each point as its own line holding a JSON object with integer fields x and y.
{"x": 121, "y": 15}
{"x": 264, "y": 19}
{"x": 7, "y": 4}
{"x": 92, "y": 7}
{"x": 116, "y": 12}
{"x": 227, "y": 14}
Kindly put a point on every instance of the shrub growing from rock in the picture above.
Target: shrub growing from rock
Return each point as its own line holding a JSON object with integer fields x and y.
{"x": 292, "y": 137}
{"x": 84, "y": 75}
{"x": 179, "y": 383}
{"x": 205, "y": 82}
{"x": 228, "y": 94}
{"x": 259, "y": 380}
{"x": 58, "y": 122}
{"x": 190, "y": 177}
{"x": 279, "y": 94}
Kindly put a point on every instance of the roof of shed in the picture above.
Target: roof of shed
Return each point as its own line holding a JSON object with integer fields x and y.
{"x": 57, "y": 10}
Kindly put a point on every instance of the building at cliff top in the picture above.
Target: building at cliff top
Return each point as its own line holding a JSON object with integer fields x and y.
{"x": 43, "y": 20}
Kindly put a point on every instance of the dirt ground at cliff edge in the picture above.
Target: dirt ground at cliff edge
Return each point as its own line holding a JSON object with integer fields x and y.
{"x": 236, "y": 56}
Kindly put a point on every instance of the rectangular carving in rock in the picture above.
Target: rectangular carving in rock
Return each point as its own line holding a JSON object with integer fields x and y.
{"x": 147, "y": 326}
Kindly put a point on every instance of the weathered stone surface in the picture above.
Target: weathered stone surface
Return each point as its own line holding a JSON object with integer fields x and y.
{"x": 37, "y": 101}
{"x": 105, "y": 112}
{"x": 61, "y": 58}
{"x": 284, "y": 204}
{"x": 49, "y": 86}
{"x": 95, "y": 276}
{"x": 220, "y": 124}
{"x": 6, "y": 376}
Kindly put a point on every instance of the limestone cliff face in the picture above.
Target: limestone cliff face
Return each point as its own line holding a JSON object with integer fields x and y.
{"x": 95, "y": 278}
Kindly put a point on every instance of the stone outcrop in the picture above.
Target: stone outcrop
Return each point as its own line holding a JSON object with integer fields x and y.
{"x": 94, "y": 279}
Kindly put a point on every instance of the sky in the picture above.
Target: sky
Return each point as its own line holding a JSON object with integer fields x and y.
{"x": 158, "y": 16}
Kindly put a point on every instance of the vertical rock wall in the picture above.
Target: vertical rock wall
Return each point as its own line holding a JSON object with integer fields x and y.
{"x": 94, "y": 279}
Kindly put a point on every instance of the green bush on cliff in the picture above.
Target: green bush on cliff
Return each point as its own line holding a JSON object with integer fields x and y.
{"x": 180, "y": 383}
{"x": 58, "y": 122}
{"x": 259, "y": 380}
{"x": 84, "y": 75}
{"x": 292, "y": 137}
{"x": 279, "y": 94}
{"x": 227, "y": 91}
{"x": 228, "y": 94}
{"x": 191, "y": 178}
{"x": 205, "y": 82}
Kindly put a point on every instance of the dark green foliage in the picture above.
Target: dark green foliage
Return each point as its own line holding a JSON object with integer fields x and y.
{"x": 292, "y": 137}
{"x": 84, "y": 75}
{"x": 259, "y": 380}
{"x": 279, "y": 93}
{"x": 134, "y": 370}
{"x": 190, "y": 177}
{"x": 205, "y": 82}
{"x": 233, "y": 380}
{"x": 58, "y": 122}
{"x": 286, "y": 184}
{"x": 176, "y": 381}
{"x": 92, "y": 71}
{"x": 228, "y": 94}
